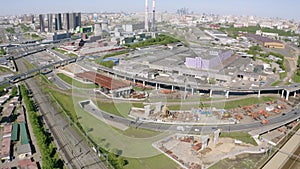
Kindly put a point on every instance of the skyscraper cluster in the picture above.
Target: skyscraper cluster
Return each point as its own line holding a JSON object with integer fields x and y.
{"x": 183, "y": 11}
{"x": 58, "y": 21}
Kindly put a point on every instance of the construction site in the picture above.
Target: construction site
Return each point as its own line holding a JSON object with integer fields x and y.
{"x": 242, "y": 114}
{"x": 200, "y": 151}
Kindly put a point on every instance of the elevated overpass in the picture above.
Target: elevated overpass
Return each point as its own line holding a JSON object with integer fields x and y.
{"x": 285, "y": 91}
{"x": 37, "y": 71}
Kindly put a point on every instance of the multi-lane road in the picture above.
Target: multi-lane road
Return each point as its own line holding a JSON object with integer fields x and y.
{"x": 273, "y": 122}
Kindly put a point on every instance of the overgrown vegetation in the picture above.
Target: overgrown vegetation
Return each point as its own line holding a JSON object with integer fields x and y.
{"x": 10, "y": 30}
{"x": 233, "y": 32}
{"x": 159, "y": 40}
{"x": 33, "y": 36}
{"x": 25, "y": 28}
{"x": 108, "y": 64}
{"x": 47, "y": 148}
{"x": 296, "y": 77}
{"x": 14, "y": 91}
{"x": 2, "y": 51}
{"x": 2, "y": 92}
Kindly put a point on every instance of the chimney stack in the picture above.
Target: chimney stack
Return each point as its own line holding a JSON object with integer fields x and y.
{"x": 146, "y": 16}
{"x": 153, "y": 19}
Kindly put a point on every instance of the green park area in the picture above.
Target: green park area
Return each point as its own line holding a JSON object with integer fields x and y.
{"x": 233, "y": 32}
{"x": 75, "y": 83}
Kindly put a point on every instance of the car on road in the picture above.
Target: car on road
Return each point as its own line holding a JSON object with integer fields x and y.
{"x": 180, "y": 128}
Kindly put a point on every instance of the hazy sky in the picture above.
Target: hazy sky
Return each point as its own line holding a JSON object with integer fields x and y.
{"x": 266, "y": 8}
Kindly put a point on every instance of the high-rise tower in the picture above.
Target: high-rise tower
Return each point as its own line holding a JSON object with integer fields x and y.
{"x": 42, "y": 26}
{"x": 50, "y": 23}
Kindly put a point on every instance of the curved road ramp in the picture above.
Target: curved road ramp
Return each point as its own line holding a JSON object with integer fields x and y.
{"x": 90, "y": 107}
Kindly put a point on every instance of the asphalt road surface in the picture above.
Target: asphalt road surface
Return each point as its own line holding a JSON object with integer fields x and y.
{"x": 287, "y": 117}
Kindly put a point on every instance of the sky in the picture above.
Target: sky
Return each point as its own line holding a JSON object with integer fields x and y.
{"x": 287, "y": 9}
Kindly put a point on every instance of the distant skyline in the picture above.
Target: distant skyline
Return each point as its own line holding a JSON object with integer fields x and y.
{"x": 287, "y": 9}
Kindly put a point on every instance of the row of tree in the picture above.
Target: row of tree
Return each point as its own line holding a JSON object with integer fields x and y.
{"x": 44, "y": 140}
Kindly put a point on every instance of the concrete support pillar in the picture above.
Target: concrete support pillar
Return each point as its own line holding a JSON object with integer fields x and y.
{"x": 282, "y": 94}
{"x": 192, "y": 91}
{"x": 258, "y": 93}
{"x": 144, "y": 83}
{"x": 159, "y": 86}
{"x": 227, "y": 94}
{"x": 287, "y": 95}
{"x": 134, "y": 81}
{"x": 210, "y": 93}
{"x": 295, "y": 93}
{"x": 156, "y": 86}
{"x": 172, "y": 88}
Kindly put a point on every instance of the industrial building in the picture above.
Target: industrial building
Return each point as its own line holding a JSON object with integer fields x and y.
{"x": 266, "y": 42}
{"x": 107, "y": 84}
{"x": 174, "y": 64}
{"x": 208, "y": 59}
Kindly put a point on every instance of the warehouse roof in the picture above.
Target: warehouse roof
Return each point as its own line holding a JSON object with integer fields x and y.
{"x": 14, "y": 134}
{"x": 103, "y": 81}
{"x": 24, "y": 135}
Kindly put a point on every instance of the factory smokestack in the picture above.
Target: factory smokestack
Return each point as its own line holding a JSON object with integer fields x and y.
{"x": 146, "y": 16}
{"x": 153, "y": 19}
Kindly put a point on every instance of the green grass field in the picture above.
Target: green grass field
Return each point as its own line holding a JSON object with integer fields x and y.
{"x": 156, "y": 162}
{"x": 133, "y": 142}
{"x": 277, "y": 83}
{"x": 224, "y": 105}
{"x": 119, "y": 109}
{"x": 74, "y": 82}
{"x": 282, "y": 75}
{"x": 4, "y": 69}
{"x": 242, "y": 136}
{"x": 296, "y": 78}
{"x": 242, "y": 102}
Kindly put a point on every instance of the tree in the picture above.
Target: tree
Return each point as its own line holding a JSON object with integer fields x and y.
{"x": 14, "y": 91}
{"x": 109, "y": 64}
{"x": 274, "y": 70}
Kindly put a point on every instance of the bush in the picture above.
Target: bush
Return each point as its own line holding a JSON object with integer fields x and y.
{"x": 14, "y": 91}
{"x": 109, "y": 64}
